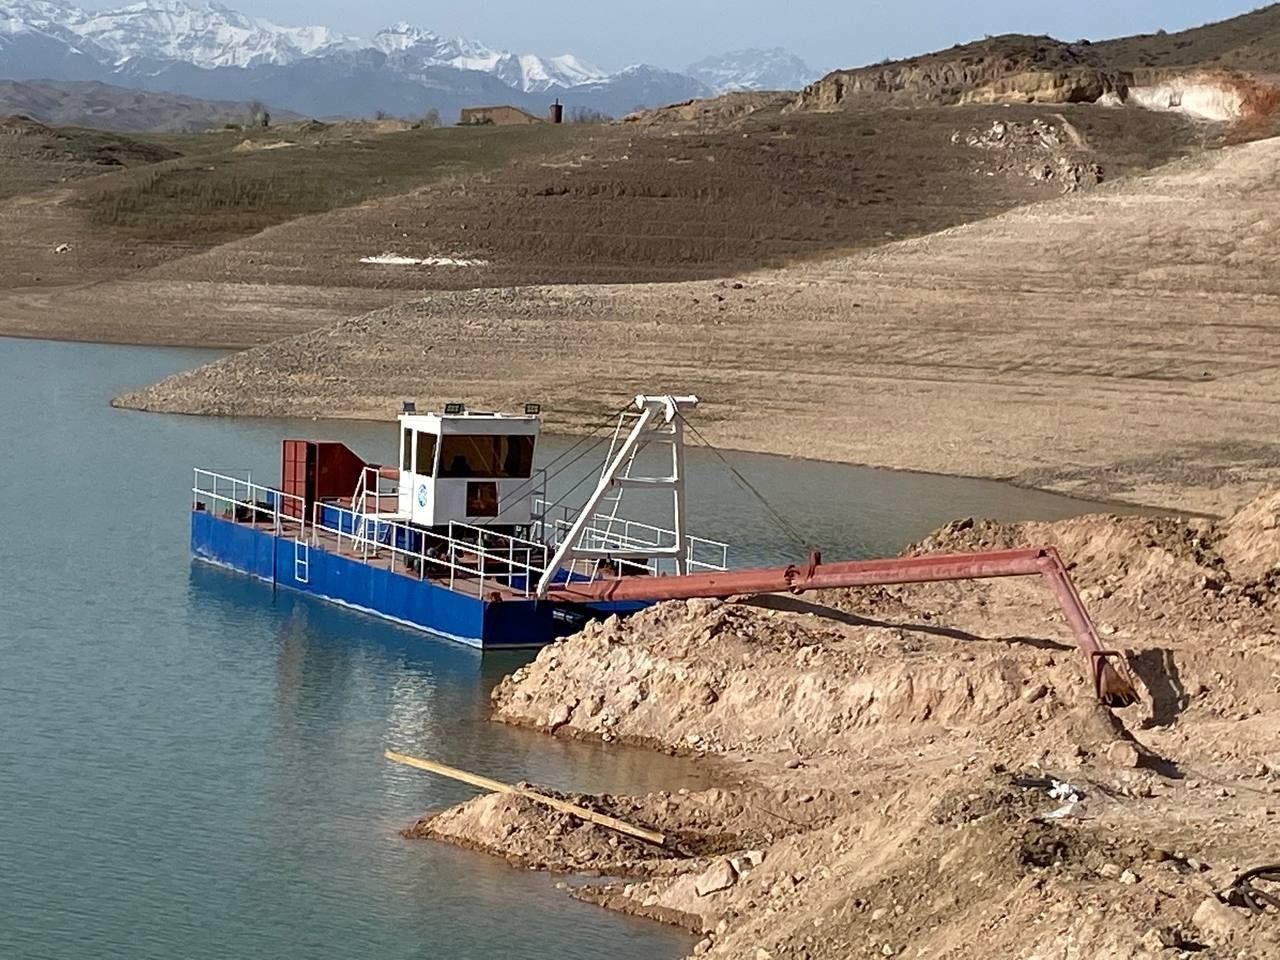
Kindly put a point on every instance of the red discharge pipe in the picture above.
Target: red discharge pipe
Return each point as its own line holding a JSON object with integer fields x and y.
{"x": 1111, "y": 682}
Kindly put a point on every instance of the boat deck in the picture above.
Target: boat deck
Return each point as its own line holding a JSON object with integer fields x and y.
{"x": 379, "y": 557}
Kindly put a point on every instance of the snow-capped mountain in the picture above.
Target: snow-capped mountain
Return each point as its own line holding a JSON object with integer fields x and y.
{"x": 203, "y": 49}
{"x": 774, "y": 69}
{"x": 204, "y": 33}
{"x": 417, "y": 48}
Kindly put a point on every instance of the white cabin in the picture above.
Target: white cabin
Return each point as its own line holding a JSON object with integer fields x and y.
{"x": 473, "y": 468}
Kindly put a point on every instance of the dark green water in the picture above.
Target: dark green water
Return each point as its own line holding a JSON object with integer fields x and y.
{"x": 189, "y": 768}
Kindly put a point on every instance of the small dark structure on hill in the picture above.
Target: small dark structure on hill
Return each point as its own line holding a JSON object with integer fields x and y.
{"x": 504, "y": 116}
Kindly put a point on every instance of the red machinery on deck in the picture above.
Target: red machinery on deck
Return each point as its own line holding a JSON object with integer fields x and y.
{"x": 1111, "y": 680}
{"x": 317, "y": 470}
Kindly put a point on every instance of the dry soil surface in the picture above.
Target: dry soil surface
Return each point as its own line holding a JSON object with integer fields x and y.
{"x": 1118, "y": 343}
{"x": 895, "y": 750}
{"x": 608, "y": 204}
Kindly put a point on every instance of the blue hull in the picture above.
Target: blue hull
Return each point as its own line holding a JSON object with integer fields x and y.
{"x": 421, "y": 604}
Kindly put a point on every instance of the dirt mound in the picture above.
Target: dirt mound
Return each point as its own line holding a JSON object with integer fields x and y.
{"x": 527, "y": 834}
{"x": 909, "y": 863}
{"x": 899, "y": 664}
{"x": 1174, "y": 560}
{"x": 1249, "y": 541}
{"x": 697, "y": 824}
{"x": 796, "y": 683}
{"x": 923, "y": 770}
{"x": 714, "y": 112}
{"x": 19, "y": 126}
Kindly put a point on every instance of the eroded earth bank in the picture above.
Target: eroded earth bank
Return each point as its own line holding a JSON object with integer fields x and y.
{"x": 890, "y": 754}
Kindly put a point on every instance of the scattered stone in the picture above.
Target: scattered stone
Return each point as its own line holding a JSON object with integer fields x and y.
{"x": 1034, "y": 692}
{"x": 1123, "y": 753}
{"x": 558, "y": 717}
{"x": 719, "y": 876}
{"x": 1217, "y": 921}
{"x": 1161, "y": 938}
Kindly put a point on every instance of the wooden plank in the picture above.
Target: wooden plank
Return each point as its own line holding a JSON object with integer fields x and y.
{"x": 496, "y": 786}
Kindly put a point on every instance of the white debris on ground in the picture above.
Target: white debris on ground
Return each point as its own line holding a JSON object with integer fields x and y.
{"x": 1043, "y": 151}
{"x": 399, "y": 260}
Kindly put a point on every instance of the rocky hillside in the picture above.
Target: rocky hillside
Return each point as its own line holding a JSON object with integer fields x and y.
{"x": 1215, "y": 72}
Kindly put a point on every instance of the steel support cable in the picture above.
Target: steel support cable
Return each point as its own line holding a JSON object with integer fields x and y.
{"x": 585, "y": 478}
{"x": 746, "y": 484}
{"x": 528, "y": 485}
{"x": 515, "y": 497}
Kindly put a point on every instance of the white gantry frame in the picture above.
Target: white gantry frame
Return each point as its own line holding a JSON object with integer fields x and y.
{"x": 660, "y": 421}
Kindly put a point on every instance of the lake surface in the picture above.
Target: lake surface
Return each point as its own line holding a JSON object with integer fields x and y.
{"x": 192, "y": 768}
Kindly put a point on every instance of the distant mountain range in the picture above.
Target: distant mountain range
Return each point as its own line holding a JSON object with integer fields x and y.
{"x": 774, "y": 69}
{"x": 200, "y": 48}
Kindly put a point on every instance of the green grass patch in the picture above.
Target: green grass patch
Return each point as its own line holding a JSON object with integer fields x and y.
{"x": 215, "y": 192}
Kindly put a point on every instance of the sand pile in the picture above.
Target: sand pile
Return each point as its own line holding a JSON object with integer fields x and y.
{"x": 715, "y": 677}
{"x": 923, "y": 771}
{"x": 697, "y": 824}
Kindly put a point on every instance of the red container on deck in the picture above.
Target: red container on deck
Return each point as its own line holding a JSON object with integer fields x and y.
{"x": 317, "y": 470}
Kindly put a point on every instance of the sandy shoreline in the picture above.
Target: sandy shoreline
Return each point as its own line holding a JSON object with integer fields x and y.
{"x": 1108, "y": 372}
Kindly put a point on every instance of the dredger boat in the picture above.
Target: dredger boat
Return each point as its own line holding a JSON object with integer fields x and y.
{"x": 459, "y": 539}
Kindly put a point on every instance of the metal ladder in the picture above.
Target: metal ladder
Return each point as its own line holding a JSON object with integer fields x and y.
{"x": 301, "y": 561}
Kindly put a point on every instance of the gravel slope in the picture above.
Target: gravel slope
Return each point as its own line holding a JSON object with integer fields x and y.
{"x": 1120, "y": 343}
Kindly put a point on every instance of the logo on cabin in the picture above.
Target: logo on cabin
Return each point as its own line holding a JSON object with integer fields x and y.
{"x": 422, "y": 495}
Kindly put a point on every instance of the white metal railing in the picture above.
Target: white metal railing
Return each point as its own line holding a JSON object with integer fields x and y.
{"x": 247, "y": 502}
{"x": 465, "y": 553}
{"x": 609, "y": 532}
{"x": 370, "y": 487}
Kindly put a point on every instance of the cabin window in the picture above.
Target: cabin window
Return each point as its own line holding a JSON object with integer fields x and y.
{"x": 426, "y": 453}
{"x": 406, "y": 451}
{"x": 494, "y": 456}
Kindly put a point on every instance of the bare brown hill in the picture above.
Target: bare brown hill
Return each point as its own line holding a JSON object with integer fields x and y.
{"x": 35, "y": 156}
{"x": 1250, "y": 41}
{"x": 104, "y": 106}
{"x": 1117, "y": 343}
{"x": 615, "y": 204}
{"x": 1023, "y": 68}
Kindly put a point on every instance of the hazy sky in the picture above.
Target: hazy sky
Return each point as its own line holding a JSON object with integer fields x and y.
{"x": 673, "y": 33}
